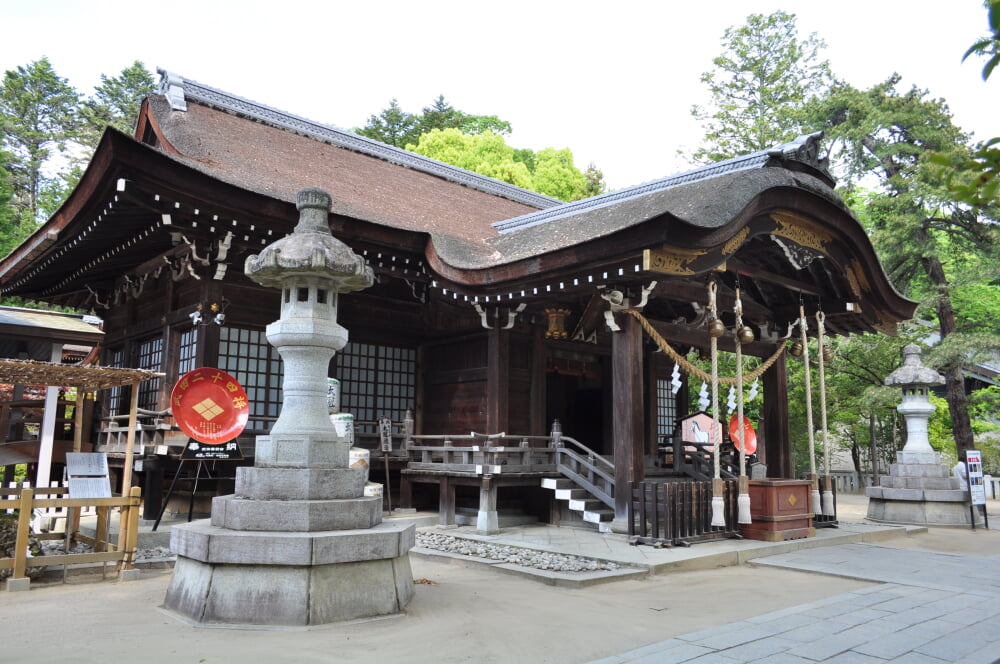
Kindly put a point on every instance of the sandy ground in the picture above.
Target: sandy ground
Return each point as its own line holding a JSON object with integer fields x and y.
{"x": 466, "y": 614}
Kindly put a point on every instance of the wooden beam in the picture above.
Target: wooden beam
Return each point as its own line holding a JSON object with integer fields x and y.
{"x": 763, "y": 275}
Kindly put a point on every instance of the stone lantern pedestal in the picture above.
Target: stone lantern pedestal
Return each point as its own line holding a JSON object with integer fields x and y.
{"x": 298, "y": 543}
{"x": 920, "y": 489}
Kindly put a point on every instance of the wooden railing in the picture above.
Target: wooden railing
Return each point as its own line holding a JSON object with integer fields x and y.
{"x": 678, "y": 513}
{"x": 27, "y": 500}
{"x": 481, "y": 454}
{"x": 589, "y": 470}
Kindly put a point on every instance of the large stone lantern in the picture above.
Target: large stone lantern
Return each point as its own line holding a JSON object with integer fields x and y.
{"x": 919, "y": 488}
{"x": 298, "y": 543}
{"x": 916, "y": 381}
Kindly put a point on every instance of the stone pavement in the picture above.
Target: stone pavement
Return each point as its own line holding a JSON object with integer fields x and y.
{"x": 930, "y": 607}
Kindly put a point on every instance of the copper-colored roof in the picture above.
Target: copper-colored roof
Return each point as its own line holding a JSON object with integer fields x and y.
{"x": 279, "y": 163}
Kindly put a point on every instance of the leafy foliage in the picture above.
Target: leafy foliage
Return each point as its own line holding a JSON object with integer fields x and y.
{"x": 758, "y": 86}
{"x": 477, "y": 143}
{"x": 115, "y": 103}
{"x": 38, "y": 114}
{"x": 975, "y": 179}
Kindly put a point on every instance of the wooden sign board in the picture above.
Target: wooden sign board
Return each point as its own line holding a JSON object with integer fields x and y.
{"x": 88, "y": 475}
{"x": 385, "y": 433}
{"x": 695, "y": 429}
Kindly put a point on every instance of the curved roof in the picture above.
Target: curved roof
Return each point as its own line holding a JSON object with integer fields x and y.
{"x": 772, "y": 216}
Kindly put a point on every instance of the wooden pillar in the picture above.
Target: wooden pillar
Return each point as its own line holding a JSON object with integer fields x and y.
{"x": 498, "y": 381}
{"x": 539, "y": 427}
{"x": 777, "y": 443}
{"x": 627, "y": 416}
{"x": 446, "y": 503}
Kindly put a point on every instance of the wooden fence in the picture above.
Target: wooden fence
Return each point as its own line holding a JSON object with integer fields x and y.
{"x": 678, "y": 513}
{"x": 27, "y": 500}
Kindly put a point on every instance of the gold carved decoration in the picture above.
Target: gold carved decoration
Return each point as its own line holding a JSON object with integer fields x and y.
{"x": 671, "y": 260}
{"x": 801, "y": 231}
{"x": 735, "y": 241}
{"x": 857, "y": 278}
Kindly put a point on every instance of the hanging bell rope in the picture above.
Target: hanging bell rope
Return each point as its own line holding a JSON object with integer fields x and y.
{"x": 715, "y": 433}
{"x": 690, "y": 368}
{"x": 828, "y": 506}
{"x": 743, "y": 500}
{"x": 814, "y": 498}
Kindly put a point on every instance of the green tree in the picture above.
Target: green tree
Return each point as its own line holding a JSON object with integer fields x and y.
{"x": 487, "y": 154}
{"x": 115, "y": 103}
{"x": 975, "y": 179}
{"x": 556, "y": 176}
{"x": 759, "y": 85}
{"x": 931, "y": 245}
{"x": 595, "y": 181}
{"x": 442, "y": 115}
{"x": 38, "y": 114}
{"x": 392, "y": 125}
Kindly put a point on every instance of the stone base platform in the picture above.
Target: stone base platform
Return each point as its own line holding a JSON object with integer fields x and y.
{"x": 236, "y": 578}
{"x": 922, "y": 512}
{"x": 920, "y": 491}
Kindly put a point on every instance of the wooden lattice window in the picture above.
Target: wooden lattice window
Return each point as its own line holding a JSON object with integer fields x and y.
{"x": 376, "y": 381}
{"x": 118, "y": 395}
{"x": 149, "y": 355}
{"x": 187, "y": 351}
{"x": 666, "y": 409}
{"x": 249, "y": 358}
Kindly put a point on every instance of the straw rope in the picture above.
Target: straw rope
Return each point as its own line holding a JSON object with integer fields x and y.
{"x": 690, "y": 368}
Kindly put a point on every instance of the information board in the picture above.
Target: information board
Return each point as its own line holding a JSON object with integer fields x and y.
{"x": 974, "y": 470}
{"x": 88, "y": 475}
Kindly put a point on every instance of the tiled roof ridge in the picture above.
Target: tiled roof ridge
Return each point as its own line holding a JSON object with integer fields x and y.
{"x": 802, "y": 149}
{"x": 178, "y": 89}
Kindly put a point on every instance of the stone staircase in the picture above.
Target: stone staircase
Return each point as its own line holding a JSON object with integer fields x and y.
{"x": 580, "y": 500}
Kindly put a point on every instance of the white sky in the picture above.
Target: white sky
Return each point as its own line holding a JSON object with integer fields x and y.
{"x": 613, "y": 81}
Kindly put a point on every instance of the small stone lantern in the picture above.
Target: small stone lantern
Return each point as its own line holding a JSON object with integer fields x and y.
{"x": 916, "y": 381}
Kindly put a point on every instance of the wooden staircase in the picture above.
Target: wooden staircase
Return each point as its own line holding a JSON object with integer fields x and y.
{"x": 580, "y": 500}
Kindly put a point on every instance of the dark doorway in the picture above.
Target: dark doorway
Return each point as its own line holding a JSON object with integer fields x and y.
{"x": 578, "y": 403}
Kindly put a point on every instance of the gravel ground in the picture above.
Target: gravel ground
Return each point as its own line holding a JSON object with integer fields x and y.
{"x": 512, "y": 554}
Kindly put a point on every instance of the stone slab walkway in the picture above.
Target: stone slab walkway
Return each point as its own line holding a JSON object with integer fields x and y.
{"x": 930, "y": 608}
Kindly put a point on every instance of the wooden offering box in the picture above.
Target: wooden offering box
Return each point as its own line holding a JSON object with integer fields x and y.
{"x": 779, "y": 510}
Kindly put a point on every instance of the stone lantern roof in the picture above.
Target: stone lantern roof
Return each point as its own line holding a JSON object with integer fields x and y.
{"x": 913, "y": 371}
{"x": 310, "y": 250}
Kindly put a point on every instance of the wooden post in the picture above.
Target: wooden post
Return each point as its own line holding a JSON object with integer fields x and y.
{"x": 23, "y": 531}
{"x": 128, "y": 528}
{"x": 130, "y": 440}
{"x": 627, "y": 415}
{"x": 446, "y": 503}
{"x": 498, "y": 381}
{"x": 777, "y": 443}
{"x": 539, "y": 427}
{"x": 73, "y": 515}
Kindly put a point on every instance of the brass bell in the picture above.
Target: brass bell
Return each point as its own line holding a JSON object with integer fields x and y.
{"x": 716, "y": 328}
{"x": 828, "y": 353}
{"x": 796, "y": 349}
{"x": 744, "y": 334}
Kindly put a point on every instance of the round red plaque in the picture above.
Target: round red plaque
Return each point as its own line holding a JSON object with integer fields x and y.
{"x": 210, "y": 406}
{"x": 749, "y": 435}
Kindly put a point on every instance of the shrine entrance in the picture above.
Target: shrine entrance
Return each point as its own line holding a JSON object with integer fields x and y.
{"x": 579, "y": 396}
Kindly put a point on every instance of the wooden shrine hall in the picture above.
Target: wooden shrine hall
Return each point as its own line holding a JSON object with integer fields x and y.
{"x": 495, "y": 310}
